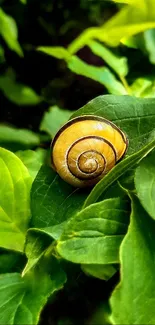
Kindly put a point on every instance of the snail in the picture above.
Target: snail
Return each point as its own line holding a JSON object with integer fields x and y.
{"x": 86, "y": 148}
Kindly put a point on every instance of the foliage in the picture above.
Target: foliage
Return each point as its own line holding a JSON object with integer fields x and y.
{"x": 59, "y": 244}
{"x": 82, "y": 231}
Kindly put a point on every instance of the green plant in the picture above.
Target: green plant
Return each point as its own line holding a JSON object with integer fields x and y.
{"x": 99, "y": 231}
{"x": 118, "y": 29}
{"x": 52, "y": 235}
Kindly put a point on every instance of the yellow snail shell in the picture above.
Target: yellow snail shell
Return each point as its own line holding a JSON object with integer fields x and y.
{"x": 86, "y": 148}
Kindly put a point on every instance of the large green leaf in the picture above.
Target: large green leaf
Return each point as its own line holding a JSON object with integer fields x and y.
{"x": 116, "y": 172}
{"x": 54, "y": 119}
{"x": 8, "y": 30}
{"x": 145, "y": 183}
{"x": 100, "y": 74}
{"x": 15, "y": 183}
{"x": 94, "y": 235}
{"x": 52, "y": 200}
{"x": 118, "y": 64}
{"x": 18, "y": 93}
{"x": 135, "y": 116}
{"x": 22, "y": 299}
{"x": 133, "y": 299}
{"x": 16, "y": 139}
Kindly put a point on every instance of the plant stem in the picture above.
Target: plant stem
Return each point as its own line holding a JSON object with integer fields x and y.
{"x": 125, "y": 84}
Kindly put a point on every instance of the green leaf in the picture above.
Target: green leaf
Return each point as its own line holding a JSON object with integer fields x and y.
{"x": 58, "y": 52}
{"x": 131, "y": 41}
{"x": 22, "y": 299}
{"x": 144, "y": 87}
{"x": 101, "y": 314}
{"x": 133, "y": 299}
{"x": 145, "y": 183}
{"x": 23, "y": 1}
{"x": 18, "y": 93}
{"x": 130, "y": 20}
{"x": 100, "y": 271}
{"x": 142, "y": 15}
{"x": 94, "y": 235}
{"x": 16, "y": 139}
{"x": 130, "y": 2}
{"x": 150, "y": 92}
{"x": 141, "y": 86}
{"x": 32, "y": 160}
{"x": 15, "y": 183}
{"x": 100, "y": 74}
{"x": 35, "y": 247}
{"x": 126, "y": 182}
{"x": 149, "y": 38}
{"x": 53, "y": 201}
{"x": 116, "y": 172}
{"x": 9, "y": 32}
{"x": 2, "y": 55}
{"x": 118, "y": 64}
{"x": 54, "y": 119}
{"x": 135, "y": 116}
{"x": 54, "y": 232}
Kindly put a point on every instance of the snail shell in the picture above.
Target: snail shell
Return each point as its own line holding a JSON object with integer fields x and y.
{"x": 86, "y": 148}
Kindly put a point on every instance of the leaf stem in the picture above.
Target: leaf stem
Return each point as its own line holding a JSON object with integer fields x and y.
{"x": 125, "y": 84}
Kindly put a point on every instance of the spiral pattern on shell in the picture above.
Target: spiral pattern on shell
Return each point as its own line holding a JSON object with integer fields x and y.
{"x": 86, "y": 148}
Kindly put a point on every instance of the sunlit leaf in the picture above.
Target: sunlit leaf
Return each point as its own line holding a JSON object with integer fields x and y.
{"x": 32, "y": 160}
{"x": 149, "y": 37}
{"x": 130, "y": 20}
{"x": 118, "y": 64}
{"x": 141, "y": 86}
{"x": 101, "y": 74}
{"x": 56, "y": 51}
{"x": 15, "y": 184}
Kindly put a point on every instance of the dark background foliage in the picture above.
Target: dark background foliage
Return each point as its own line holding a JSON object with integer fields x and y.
{"x": 50, "y": 23}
